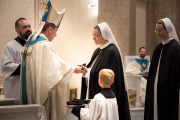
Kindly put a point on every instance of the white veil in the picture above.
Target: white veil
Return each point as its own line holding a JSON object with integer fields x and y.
{"x": 108, "y": 35}
{"x": 170, "y": 28}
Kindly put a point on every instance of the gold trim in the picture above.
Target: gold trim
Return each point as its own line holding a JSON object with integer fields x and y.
{"x": 141, "y": 66}
{"x": 144, "y": 1}
{"x": 30, "y": 53}
{"x": 49, "y": 14}
{"x": 22, "y": 54}
{"x": 148, "y": 65}
{"x": 55, "y": 87}
{"x": 38, "y": 43}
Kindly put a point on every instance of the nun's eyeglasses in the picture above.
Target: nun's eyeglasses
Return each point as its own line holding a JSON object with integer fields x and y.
{"x": 158, "y": 31}
{"x": 95, "y": 36}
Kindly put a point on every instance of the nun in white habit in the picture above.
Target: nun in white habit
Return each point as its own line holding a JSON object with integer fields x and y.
{"x": 162, "y": 93}
{"x": 107, "y": 55}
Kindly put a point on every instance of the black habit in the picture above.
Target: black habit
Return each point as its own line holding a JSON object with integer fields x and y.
{"x": 108, "y": 58}
{"x": 167, "y": 85}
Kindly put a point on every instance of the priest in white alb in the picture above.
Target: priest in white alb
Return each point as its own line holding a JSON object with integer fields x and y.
{"x": 11, "y": 59}
{"x": 45, "y": 76}
{"x": 140, "y": 66}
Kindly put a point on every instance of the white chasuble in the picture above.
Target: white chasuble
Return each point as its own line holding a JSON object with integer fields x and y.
{"x": 100, "y": 108}
{"x": 134, "y": 68}
{"x": 46, "y": 77}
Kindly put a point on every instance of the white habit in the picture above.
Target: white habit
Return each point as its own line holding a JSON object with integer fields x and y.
{"x": 134, "y": 68}
{"x": 10, "y": 60}
{"x": 100, "y": 108}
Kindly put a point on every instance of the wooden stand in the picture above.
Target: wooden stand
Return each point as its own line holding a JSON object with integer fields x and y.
{"x": 73, "y": 93}
{"x": 1, "y": 90}
{"x": 1, "y": 86}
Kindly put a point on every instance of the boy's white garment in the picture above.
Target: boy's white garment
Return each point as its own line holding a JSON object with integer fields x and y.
{"x": 100, "y": 108}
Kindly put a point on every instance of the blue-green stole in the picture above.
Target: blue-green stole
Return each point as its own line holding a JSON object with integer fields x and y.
{"x": 143, "y": 63}
{"x": 25, "y": 53}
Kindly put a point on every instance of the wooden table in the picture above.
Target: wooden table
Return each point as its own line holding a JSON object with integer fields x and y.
{"x": 73, "y": 93}
{"x": 134, "y": 83}
{"x": 1, "y": 90}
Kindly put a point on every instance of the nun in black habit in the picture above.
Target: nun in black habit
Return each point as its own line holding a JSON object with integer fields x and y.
{"x": 162, "y": 93}
{"x": 107, "y": 55}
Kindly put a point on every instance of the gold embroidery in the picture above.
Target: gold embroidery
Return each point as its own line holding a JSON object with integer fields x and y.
{"x": 24, "y": 61}
{"x": 25, "y": 49}
{"x": 43, "y": 3}
{"x": 46, "y": 10}
{"x": 22, "y": 53}
{"x": 143, "y": 65}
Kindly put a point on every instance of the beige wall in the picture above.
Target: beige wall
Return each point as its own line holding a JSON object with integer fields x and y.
{"x": 140, "y": 25}
{"x": 121, "y": 18}
{"x": 11, "y": 10}
{"x": 74, "y": 43}
{"x": 158, "y": 9}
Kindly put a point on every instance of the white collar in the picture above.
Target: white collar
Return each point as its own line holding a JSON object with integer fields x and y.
{"x": 141, "y": 58}
{"x": 105, "y": 45}
{"x": 41, "y": 34}
{"x": 166, "y": 41}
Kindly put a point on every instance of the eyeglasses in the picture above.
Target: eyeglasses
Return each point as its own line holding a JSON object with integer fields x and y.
{"x": 95, "y": 36}
{"x": 159, "y": 31}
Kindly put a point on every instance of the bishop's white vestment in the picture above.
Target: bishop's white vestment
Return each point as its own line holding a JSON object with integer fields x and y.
{"x": 45, "y": 78}
{"x": 135, "y": 68}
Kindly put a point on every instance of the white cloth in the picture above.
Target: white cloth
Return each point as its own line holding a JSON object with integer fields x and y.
{"x": 134, "y": 68}
{"x": 100, "y": 108}
{"x": 10, "y": 60}
{"x": 108, "y": 35}
{"x": 170, "y": 28}
{"x": 47, "y": 78}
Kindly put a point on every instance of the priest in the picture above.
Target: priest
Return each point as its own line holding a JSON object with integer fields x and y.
{"x": 140, "y": 66}
{"x": 45, "y": 75}
{"x": 11, "y": 59}
{"x": 162, "y": 94}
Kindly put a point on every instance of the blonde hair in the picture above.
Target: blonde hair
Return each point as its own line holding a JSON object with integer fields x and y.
{"x": 107, "y": 76}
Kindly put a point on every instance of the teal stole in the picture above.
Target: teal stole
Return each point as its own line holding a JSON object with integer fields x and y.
{"x": 28, "y": 44}
{"x": 143, "y": 63}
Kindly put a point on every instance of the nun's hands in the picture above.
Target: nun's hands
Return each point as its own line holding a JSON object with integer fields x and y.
{"x": 81, "y": 69}
{"x": 84, "y": 69}
{"x": 78, "y": 69}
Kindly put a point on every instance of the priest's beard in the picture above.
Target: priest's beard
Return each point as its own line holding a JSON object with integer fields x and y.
{"x": 26, "y": 35}
{"x": 143, "y": 56}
